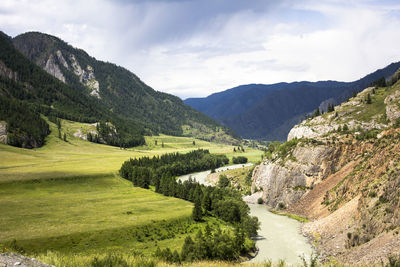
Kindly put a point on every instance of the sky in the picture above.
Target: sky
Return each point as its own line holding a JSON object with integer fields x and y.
{"x": 193, "y": 48}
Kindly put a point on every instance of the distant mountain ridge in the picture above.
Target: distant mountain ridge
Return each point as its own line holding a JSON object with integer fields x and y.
{"x": 268, "y": 112}
{"x": 109, "y": 91}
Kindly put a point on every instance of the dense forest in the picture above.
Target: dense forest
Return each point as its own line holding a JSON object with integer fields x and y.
{"x": 220, "y": 202}
{"x": 25, "y": 127}
{"x": 48, "y": 96}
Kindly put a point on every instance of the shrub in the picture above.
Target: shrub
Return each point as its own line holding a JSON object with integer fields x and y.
{"x": 110, "y": 260}
{"x": 281, "y": 206}
{"x": 239, "y": 160}
{"x": 260, "y": 201}
{"x": 223, "y": 181}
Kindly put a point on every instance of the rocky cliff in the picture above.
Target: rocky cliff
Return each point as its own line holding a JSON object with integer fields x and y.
{"x": 342, "y": 171}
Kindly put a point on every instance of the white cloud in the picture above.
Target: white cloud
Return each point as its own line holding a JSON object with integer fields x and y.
{"x": 194, "y": 48}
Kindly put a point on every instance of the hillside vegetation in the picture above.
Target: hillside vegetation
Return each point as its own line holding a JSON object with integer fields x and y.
{"x": 341, "y": 170}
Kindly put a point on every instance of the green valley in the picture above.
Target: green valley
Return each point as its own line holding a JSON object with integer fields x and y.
{"x": 65, "y": 200}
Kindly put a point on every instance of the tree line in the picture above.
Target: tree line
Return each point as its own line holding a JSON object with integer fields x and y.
{"x": 146, "y": 171}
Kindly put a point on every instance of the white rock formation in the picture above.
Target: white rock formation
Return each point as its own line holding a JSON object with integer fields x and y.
{"x": 6, "y": 72}
{"x": 86, "y": 77}
{"x": 3, "y": 132}
{"x": 52, "y": 68}
{"x": 61, "y": 59}
{"x": 392, "y": 102}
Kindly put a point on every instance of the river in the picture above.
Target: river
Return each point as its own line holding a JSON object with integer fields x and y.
{"x": 201, "y": 176}
{"x": 279, "y": 237}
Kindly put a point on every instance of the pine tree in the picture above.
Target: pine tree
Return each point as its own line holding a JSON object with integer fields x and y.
{"x": 197, "y": 212}
{"x": 331, "y": 107}
{"x": 317, "y": 112}
{"x": 369, "y": 101}
{"x": 187, "y": 253}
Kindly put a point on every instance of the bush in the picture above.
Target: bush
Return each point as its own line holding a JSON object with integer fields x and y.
{"x": 239, "y": 160}
{"x": 281, "y": 206}
{"x": 223, "y": 181}
{"x": 393, "y": 261}
{"x": 109, "y": 261}
{"x": 260, "y": 201}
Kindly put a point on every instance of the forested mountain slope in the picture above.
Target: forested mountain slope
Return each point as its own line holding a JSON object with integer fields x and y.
{"x": 27, "y": 92}
{"x": 269, "y": 111}
{"x": 118, "y": 90}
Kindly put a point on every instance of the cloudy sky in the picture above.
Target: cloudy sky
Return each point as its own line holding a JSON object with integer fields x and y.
{"x": 192, "y": 48}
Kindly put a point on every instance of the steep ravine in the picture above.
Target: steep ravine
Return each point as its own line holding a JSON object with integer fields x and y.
{"x": 347, "y": 182}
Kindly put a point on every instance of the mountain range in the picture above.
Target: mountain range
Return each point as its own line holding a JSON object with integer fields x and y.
{"x": 268, "y": 112}
{"x": 57, "y": 80}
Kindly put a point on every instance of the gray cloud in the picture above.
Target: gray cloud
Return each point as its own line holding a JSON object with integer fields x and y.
{"x": 194, "y": 48}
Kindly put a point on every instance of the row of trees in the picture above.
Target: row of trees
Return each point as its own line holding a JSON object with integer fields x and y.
{"x": 150, "y": 171}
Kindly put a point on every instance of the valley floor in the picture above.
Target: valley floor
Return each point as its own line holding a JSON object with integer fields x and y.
{"x": 65, "y": 204}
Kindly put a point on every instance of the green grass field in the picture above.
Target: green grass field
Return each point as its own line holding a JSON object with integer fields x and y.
{"x": 77, "y": 158}
{"x": 67, "y": 199}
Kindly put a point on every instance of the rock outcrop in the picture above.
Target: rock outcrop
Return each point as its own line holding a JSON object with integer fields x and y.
{"x": 52, "y": 68}
{"x": 392, "y": 106}
{"x": 7, "y": 73}
{"x": 347, "y": 113}
{"x": 12, "y": 259}
{"x": 86, "y": 77}
{"x": 3, "y": 132}
{"x": 286, "y": 181}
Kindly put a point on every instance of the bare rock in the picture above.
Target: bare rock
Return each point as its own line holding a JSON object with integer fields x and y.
{"x": 52, "y": 68}
{"x": 12, "y": 259}
{"x": 392, "y": 106}
{"x": 3, "y": 132}
{"x": 8, "y": 73}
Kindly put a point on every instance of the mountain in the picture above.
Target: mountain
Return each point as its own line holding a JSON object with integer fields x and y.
{"x": 341, "y": 170}
{"x": 268, "y": 112}
{"x": 71, "y": 84}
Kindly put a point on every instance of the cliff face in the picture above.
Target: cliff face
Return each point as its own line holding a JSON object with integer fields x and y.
{"x": 342, "y": 171}
{"x": 285, "y": 182}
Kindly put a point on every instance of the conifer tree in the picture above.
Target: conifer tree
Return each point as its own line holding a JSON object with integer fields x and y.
{"x": 197, "y": 212}
{"x": 369, "y": 101}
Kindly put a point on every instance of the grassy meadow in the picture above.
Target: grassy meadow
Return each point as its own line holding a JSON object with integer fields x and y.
{"x": 67, "y": 200}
